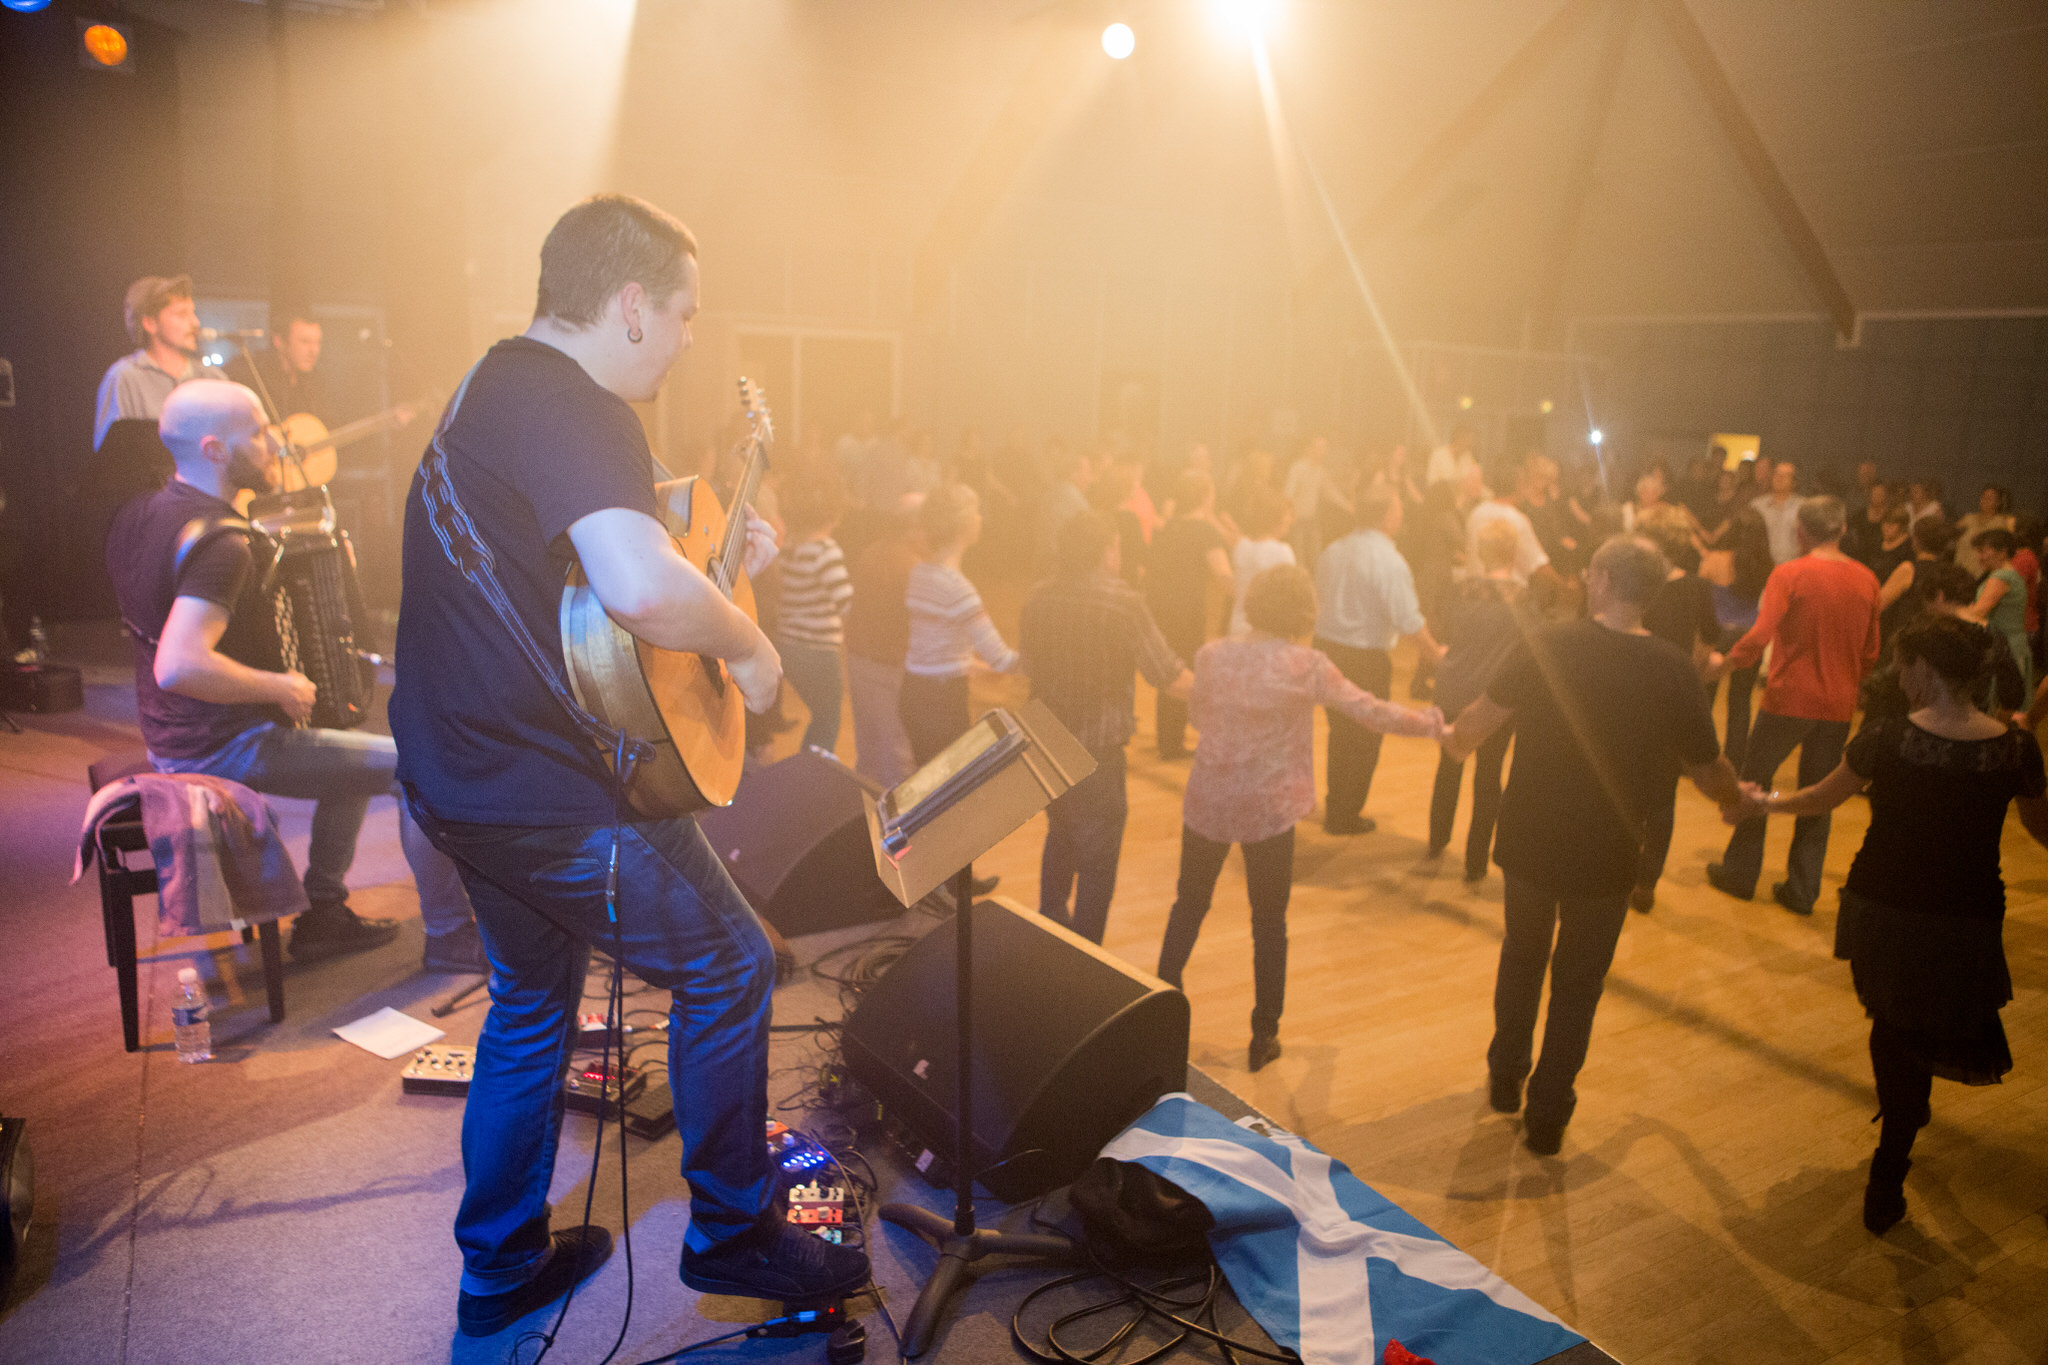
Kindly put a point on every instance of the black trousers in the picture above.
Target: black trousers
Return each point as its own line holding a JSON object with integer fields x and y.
{"x": 1585, "y": 930}
{"x": 1269, "y": 881}
{"x": 1354, "y": 752}
{"x": 1084, "y": 838}
{"x": 1658, "y": 823}
{"x": 1170, "y": 714}
{"x": 934, "y": 712}
{"x": 1904, "y": 1087}
{"x": 1486, "y": 788}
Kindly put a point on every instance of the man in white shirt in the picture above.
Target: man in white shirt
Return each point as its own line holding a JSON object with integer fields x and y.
{"x": 1452, "y": 462}
{"x": 163, "y": 323}
{"x": 1530, "y": 556}
{"x": 1780, "y": 511}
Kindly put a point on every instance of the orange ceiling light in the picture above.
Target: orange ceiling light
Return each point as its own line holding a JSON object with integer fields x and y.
{"x": 105, "y": 44}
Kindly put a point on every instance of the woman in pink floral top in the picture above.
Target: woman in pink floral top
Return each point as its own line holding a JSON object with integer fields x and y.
{"x": 1254, "y": 703}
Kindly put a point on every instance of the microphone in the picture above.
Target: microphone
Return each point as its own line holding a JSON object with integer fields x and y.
{"x": 238, "y": 334}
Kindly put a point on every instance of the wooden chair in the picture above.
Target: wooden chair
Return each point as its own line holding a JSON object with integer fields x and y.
{"x": 120, "y": 884}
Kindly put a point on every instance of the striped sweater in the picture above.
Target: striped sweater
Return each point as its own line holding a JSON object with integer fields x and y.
{"x": 815, "y": 591}
{"x": 948, "y": 626}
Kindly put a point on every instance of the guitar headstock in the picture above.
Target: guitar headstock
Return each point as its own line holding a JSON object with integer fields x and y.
{"x": 754, "y": 405}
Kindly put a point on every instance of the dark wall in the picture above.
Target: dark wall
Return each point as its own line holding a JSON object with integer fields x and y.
{"x": 1964, "y": 401}
{"x": 89, "y": 186}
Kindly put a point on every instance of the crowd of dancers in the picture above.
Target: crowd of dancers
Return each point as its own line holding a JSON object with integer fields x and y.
{"x": 1588, "y": 635}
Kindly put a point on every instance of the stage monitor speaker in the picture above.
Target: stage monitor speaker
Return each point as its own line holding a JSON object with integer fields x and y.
{"x": 795, "y": 841}
{"x": 1070, "y": 1046}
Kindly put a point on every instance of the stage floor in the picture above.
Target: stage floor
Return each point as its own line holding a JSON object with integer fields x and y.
{"x": 288, "y": 1203}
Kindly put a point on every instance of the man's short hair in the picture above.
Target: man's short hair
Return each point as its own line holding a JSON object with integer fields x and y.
{"x": 1373, "y": 504}
{"x": 944, "y": 514}
{"x": 1949, "y": 581}
{"x": 1633, "y": 567}
{"x": 1497, "y": 540}
{"x": 281, "y": 320}
{"x": 1933, "y": 535}
{"x": 1083, "y": 540}
{"x": 599, "y": 247}
{"x": 1282, "y": 601}
{"x": 149, "y": 296}
{"x": 1823, "y": 519}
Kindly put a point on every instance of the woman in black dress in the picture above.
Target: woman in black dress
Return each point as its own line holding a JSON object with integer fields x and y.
{"x": 1924, "y": 906}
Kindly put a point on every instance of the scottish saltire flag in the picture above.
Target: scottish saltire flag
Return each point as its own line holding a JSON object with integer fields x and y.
{"x": 1330, "y": 1268}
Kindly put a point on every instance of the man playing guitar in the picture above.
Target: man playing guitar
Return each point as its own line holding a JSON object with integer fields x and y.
{"x": 289, "y": 369}
{"x": 539, "y": 459}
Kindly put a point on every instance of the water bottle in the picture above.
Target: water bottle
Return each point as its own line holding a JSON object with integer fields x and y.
{"x": 188, "y": 1014}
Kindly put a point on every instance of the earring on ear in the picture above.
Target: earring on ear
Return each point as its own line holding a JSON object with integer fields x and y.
{"x": 633, "y": 335}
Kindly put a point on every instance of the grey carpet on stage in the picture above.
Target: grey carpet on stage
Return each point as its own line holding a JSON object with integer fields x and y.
{"x": 287, "y": 1202}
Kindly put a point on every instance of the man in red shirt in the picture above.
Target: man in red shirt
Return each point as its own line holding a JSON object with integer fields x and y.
{"x": 1819, "y": 614}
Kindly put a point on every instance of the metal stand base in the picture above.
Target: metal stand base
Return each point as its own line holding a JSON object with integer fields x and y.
{"x": 957, "y": 1251}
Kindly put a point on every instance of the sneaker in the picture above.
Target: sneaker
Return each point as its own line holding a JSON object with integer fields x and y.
{"x": 1503, "y": 1094}
{"x": 776, "y": 1261}
{"x": 1718, "y": 878}
{"x": 458, "y": 952}
{"x": 1349, "y": 824}
{"x": 1781, "y": 892}
{"x": 331, "y": 929}
{"x": 1265, "y": 1047}
{"x": 577, "y": 1253}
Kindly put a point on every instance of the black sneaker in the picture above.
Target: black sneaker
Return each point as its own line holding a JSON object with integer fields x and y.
{"x": 459, "y": 952}
{"x": 776, "y": 1261}
{"x": 1503, "y": 1094}
{"x": 578, "y": 1252}
{"x": 331, "y": 929}
{"x": 1541, "y": 1136}
{"x": 1781, "y": 892}
{"x": 1718, "y": 878}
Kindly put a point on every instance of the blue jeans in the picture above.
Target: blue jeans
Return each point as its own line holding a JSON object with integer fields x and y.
{"x": 341, "y": 770}
{"x": 683, "y": 927}
{"x": 1084, "y": 839}
{"x": 813, "y": 670}
{"x": 1771, "y": 741}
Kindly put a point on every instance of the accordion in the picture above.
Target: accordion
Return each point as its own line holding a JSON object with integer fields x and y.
{"x": 322, "y": 627}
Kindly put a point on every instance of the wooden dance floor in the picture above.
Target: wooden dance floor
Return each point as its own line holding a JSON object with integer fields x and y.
{"x": 1707, "y": 1204}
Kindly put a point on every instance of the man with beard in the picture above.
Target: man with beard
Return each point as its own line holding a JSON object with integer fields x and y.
{"x": 187, "y": 572}
{"x": 165, "y": 328}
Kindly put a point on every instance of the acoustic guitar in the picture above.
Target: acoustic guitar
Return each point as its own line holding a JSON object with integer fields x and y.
{"x": 306, "y": 447}
{"x": 685, "y": 706}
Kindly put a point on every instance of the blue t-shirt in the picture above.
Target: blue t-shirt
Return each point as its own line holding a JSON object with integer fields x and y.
{"x": 536, "y": 446}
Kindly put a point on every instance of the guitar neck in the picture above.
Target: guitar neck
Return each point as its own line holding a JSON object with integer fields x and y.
{"x": 733, "y": 552}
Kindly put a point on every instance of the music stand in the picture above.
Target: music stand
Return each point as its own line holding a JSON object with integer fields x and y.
{"x": 925, "y": 831}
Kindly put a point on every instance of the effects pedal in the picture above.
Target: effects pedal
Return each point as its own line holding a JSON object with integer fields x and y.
{"x": 589, "y": 1090}
{"x": 814, "y": 1191}
{"x": 439, "y": 1069}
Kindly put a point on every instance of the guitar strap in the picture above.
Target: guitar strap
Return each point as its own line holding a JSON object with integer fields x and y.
{"x": 473, "y": 559}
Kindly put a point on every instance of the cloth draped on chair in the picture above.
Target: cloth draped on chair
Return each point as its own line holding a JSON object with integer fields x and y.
{"x": 220, "y": 861}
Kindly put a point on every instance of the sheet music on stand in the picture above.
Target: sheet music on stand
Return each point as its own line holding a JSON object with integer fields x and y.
{"x": 1005, "y": 769}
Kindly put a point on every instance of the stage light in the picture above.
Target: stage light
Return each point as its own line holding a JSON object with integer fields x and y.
{"x": 26, "y": 6}
{"x": 1596, "y": 436}
{"x": 1251, "y": 18}
{"x": 105, "y": 44}
{"x": 1118, "y": 41}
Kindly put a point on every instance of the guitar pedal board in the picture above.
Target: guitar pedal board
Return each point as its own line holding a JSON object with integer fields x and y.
{"x": 439, "y": 1069}
{"x": 814, "y": 1189}
{"x": 589, "y": 1090}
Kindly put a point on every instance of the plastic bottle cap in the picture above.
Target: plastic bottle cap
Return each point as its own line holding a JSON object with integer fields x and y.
{"x": 188, "y": 975}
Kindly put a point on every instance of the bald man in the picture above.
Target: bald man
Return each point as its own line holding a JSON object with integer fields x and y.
{"x": 187, "y": 570}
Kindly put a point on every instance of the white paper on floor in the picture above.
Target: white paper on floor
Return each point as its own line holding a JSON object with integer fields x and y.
{"x": 389, "y": 1034}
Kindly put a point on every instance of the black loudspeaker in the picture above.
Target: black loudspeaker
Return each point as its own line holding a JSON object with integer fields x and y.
{"x": 795, "y": 841}
{"x": 1070, "y": 1045}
